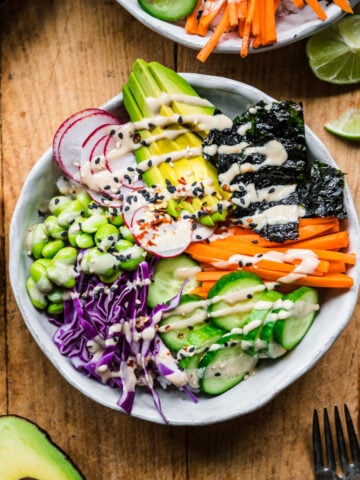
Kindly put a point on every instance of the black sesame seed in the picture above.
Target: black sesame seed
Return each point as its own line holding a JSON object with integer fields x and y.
{"x": 120, "y": 135}
{"x": 112, "y": 132}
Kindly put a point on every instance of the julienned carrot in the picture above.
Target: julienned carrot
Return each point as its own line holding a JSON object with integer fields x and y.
{"x": 214, "y": 39}
{"x": 344, "y": 5}
{"x": 315, "y": 5}
{"x": 193, "y": 18}
{"x": 211, "y": 10}
{"x": 217, "y": 258}
{"x": 253, "y": 20}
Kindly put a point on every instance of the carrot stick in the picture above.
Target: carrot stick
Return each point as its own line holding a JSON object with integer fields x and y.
{"x": 270, "y": 35}
{"x": 208, "y": 16}
{"x": 344, "y": 5}
{"x": 333, "y": 241}
{"x": 315, "y": 5}
{"x": 298, "y": 3}
{"x": 233, "y": 14}
{"x": 214, "y": 39}
{"x": 247, "y": 27}
{"x": 193, "y": 19}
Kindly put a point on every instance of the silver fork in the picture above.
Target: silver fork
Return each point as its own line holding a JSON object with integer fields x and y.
{"x": 350, "y": 469}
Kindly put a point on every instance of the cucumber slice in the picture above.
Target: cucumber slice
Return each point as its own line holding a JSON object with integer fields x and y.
{"x": 260, "y": 335}
{"x": 191, "y": 367}
{"x": 169, "y": 10}
{"x": 225, "y": 365}
{"x": 197, "y": 335}
{"x": 290, "y": 331}
{"x": 234, "y": 295}
{"x": 169, "y": 277}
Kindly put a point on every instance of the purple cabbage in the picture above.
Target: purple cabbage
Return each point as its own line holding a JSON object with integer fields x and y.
{"x": 109, "y": 334}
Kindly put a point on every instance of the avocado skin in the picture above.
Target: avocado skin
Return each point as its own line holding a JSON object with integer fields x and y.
{"x": 41, "y": 459}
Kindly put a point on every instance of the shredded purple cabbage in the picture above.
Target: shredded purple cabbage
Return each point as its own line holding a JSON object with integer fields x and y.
{"x": 109, "y": 334}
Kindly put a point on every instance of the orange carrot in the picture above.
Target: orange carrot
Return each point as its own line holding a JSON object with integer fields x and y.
{"x": 344, "y": 5}
{"x": 208, "y": 16}
{"x": 247, "y": 28}
{"x": 193, "y": 18}
{"x": 299, "y": 3}
{"x": 315, "y": 5}
{"x": 233, "y": 14}
{"x": 213, "y": 40}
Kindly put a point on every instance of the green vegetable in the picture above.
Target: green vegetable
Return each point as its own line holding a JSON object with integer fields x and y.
{"x": 169, "y": 10}
{"x": 241, "y": 289}
{"x": 169, "y": 276}
{"x": 154, "y": 80}
{"x": 225, "y": 365}
{"x": 195, "y": 334}
{"x": 298, "y": 317}
{"x": 27, "y": 452}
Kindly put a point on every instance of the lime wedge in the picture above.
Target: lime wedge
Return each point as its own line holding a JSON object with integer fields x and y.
{"x": 334, "y": 53}
{"x": 347, "y": 126}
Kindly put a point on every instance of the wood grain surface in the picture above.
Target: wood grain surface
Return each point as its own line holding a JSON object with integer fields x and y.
{"x": 60, "y": 56}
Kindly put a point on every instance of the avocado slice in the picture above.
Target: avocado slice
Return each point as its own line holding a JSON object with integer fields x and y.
{"x": 155, "y": 80}
{"x": 27, "y": 452}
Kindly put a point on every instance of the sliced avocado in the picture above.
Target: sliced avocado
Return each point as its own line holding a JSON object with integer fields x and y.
{"x": 27, "y": 452}
{"x": 154, "y": 80}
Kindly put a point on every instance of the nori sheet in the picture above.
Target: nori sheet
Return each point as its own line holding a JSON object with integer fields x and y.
{"x": 319, "y": 187}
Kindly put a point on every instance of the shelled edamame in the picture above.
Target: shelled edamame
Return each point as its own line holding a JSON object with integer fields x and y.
{"x": 76, "y": 234}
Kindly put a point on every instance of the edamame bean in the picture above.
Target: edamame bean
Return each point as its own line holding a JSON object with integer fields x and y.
{"x": 93, "y": 223}
{"x": 115, "y": 217}
{"x": 106, "y": 237}
{"x": 38, "y": 272}
{"x": 54, "y": 229}
{"x": 77, "y": 237}
{"x": 123, "y": 244}
{"x": 38, "y": 299}
{"x": 110, "y": 278}
{"x": 125, "y": 233}
{"x": 61, "y": 269}
{"x": 100, "y": 263}
{"x": 51, "y": 248}
{"x": 70, "y": 212}
{"x": 56, "y": 295}
{"x": 58, "y": 203}
{"x": 55, "y": 308}
{"x": 85, "y": 200}
{"x": 36, "y": 239}
{"x": 131, "y": 257}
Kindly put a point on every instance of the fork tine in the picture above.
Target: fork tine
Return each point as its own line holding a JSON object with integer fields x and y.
{"x": 329, "y": 443}
{"x": 317, "y": 447}
{"x": 344, "y": 459}
{"x": 353, "y": 441}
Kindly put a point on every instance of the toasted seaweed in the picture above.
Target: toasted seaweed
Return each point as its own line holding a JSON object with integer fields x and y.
{"x": 316, "y": 188}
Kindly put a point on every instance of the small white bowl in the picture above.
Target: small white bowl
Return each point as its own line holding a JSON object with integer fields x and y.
{"x": 271, "y": 378}
{"x": 290, "y": 28}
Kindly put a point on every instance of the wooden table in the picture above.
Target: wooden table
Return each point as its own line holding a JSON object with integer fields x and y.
{"x": 60, "y": 56}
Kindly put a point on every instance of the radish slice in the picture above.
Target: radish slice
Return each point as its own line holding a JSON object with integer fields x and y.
{"x": 68, "y": 155}
{"x": 160, "y": 234}
{"x": 201, "y": 232}
{"x": 66, "y": 124}
{"x": 104, "y": 200}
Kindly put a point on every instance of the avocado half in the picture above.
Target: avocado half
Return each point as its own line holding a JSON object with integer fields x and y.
{"x": 28, "y": 453}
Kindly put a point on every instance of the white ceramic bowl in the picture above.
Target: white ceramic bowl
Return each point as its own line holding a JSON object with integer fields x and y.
{"x": 290, "y": 28}
{"x": 271, "y": 378}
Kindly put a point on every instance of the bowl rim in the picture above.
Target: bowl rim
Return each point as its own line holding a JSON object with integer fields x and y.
{"x": 302, "y": 27}
{"x": 144, "y": 408}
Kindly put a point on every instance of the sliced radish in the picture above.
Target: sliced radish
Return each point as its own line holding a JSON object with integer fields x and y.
{"x": 159, "y": 233}
{"x": 68, "y": 155}
{"x": 59, "y": 132}
{"x": 201, "y": 232}
{"x": 104, "y": 200}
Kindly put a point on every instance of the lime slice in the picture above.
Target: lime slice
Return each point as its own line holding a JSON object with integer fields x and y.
{"x": 334, "y": 53}
{"x": 169, "y": 10}
{"x": 347, "y": 126}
